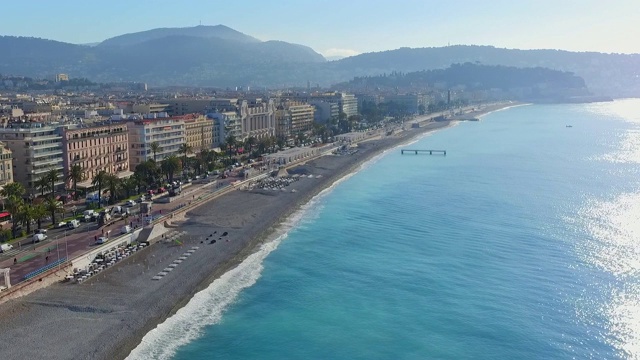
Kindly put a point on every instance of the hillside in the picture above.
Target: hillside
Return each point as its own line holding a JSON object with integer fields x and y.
{"x": 202, "y": 55}
{"x": 217, "y": 31}
{"x": 222, "y": 57}
{"x": 521, "y": 83}
{"x": 605, "y": 74}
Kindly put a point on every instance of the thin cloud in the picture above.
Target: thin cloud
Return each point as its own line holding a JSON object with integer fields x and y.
{"x": 340, "y": 52}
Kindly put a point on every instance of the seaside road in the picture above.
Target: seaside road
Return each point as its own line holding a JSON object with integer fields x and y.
{"x": 31, "y": 257}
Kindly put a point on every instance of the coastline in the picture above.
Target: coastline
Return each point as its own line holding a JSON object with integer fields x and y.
{"x": 108, "y": 316}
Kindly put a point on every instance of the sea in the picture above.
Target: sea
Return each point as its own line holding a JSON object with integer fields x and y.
{"x": 523, "y": 242}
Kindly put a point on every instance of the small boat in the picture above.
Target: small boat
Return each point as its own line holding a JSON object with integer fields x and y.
{"x": 569, "y": 125}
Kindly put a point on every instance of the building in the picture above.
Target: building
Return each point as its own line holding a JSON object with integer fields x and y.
{"x": 179, "y": 107}
{"x": 152, "y": 108}
{"x": 293, "y": 118}
{"x": 6, "y": 166}
{"x": 96, "y": 148}
{"x": 347, "y": 103}
{"x": 36, "y": 149}
{"x": 62, "y": 77}
{"x": 412, "y": 103}
{"x": 325, "y": 111}
{"x": 168, "y": 132}
{"x": 258, "y": 120}
{"x": 225, "y": 124}
{"x": 199, "y": 132}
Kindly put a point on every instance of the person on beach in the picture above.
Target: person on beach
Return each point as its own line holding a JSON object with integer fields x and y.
{"x": 46, "y": 259}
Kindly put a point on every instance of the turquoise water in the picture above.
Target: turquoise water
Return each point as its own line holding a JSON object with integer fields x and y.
{"x": 521, "y": 243}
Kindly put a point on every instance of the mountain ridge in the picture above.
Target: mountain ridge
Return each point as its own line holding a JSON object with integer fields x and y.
{"x": 205, "y": 56}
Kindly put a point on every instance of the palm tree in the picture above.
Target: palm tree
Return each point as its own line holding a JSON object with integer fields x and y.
{"x": 128, "y": 185}
{"x": 112, "y": 183}
{"x": 53, "y": 206}
{"x": 12, "y": 189}
{"x": 184, "y": 149}
{"x": 53, "y": 176}
{"x": 13, "y": 203}
{"x": 231, "y": 143}
{"x": 76, "y": 174}
{"x": 99, "y": 181}
{"x": 39, "y": 212}
{"x": 155, "y": 149}
{"x": 43, "y": 184}
{"x": 170, "y": 166}
{"x": 25, "y": 215}
{"x": 250, "y": 142}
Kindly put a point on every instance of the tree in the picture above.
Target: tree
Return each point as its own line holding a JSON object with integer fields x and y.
{"x": 185, "y": 149}
{"x": 128, "y": 185}
{"x": 249, "y": 143}
{"x": 53, "y": 176}
{"x": 26, "y": 215}
{"x": 170, "y": 166}
{"x": 112, "y": 183}
{"x": 39, "y": 212}
{"x": 43, "y": 184}
{"x": 12, "y": 189}
{"x": 155, "y": 149}
{"x": 13, "y": 203}
{"x": 76, "y": 174}
{"x": 53, "y": 206}
{"x": 231, "y": 143}
{"x": 99, "y": 181}
{"x": 147, "y": 172}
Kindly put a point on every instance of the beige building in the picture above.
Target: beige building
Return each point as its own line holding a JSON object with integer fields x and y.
{"x": 36, "y": 149}
{"x": 6, "y": 165}
{"x": 199, "y": 132}
{"x": 293, "y": 118}
{"x": 168, "y": 132}
{"x": 96, "y": 148}
{"x": 258, "y": 120}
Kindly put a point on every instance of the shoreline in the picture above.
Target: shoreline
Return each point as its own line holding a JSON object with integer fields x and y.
{"x": 127, "y": 305}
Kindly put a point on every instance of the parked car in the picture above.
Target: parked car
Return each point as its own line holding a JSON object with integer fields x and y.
{"x": 161, "y": 190}
{"x": 5, "y": 247}
{"x": 61, "y": 224}
{"x": 101, "y": 240}
{"x": 130, "y": 203}
{"x": 125, "y": 229}
{"x": 41, "y": 231}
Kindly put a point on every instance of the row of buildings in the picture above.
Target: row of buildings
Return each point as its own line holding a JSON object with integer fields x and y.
{"x": 117, "y": 138}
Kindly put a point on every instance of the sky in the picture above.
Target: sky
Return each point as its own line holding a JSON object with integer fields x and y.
{"x": 347, "y": 27}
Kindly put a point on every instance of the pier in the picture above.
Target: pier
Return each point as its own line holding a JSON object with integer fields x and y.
{"x": 431, "y": 152}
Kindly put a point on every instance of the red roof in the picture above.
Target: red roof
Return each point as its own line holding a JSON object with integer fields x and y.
{"x": 3, "y": 214}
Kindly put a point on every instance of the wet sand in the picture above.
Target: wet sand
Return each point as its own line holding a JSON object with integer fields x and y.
{"x": 107, "y": 316}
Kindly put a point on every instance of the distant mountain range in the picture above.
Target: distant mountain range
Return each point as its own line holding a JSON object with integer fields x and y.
{"x": 219, "y": 56}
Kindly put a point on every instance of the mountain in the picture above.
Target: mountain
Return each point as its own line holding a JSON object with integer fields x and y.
{"x": 605, "y": 74}
{"x": 201, "y": 55}
{"x": 222, "y": 57}
{"x": 201, "y": 31}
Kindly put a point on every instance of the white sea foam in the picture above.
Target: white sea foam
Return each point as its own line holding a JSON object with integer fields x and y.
{"x": 207, "y": 306}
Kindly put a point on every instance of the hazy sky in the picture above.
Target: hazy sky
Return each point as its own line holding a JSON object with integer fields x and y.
{"x": 347, "y": 27}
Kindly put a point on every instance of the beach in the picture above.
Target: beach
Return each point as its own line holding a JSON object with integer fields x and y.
{"x": 108, "y": 315}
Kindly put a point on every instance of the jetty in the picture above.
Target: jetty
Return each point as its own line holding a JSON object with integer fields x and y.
{"x": 415, "y": 151}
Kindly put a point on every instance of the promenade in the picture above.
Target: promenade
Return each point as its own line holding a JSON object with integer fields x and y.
{"x": 27, "y": 257}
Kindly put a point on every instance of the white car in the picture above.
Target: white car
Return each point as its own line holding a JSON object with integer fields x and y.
{"x": 101, "y": 240}
{"x": 61, "y": 224}
{"x": 5, "y": 247}
{"x": 41, "y": 231}
{"x": 130, "y": 203}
